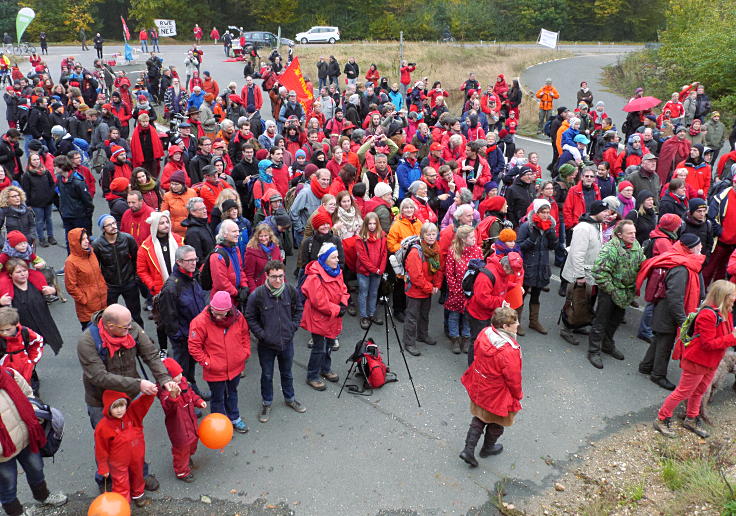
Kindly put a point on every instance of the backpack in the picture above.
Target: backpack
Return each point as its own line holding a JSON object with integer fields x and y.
{"x": 548, "y": 128}
{"x": 398, "y": 259}
{"x": 94, "y": 332}
{"x": 656, "y": 285}
{"x": 648, "y": 247}
{"x": 475, "y": 267}
{"x": 369, "y": 364}
{"x": 52, "y": 422}
{"x": 82, "y": 146}
{"x": 26, "y": 341}
{"x": 687, "y": 328}
{"x": 205, "y": 273}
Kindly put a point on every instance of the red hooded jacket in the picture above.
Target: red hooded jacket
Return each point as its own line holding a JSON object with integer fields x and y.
{"x": 180, "y": 419}
{"x": 221, "y": 348}
{"x": 324, "y": 295}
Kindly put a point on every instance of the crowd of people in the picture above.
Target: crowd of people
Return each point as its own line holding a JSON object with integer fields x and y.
{"x": 376, "y": 191}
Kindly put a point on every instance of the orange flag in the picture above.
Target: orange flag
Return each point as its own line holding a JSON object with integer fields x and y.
{"x": 293, "y": 79}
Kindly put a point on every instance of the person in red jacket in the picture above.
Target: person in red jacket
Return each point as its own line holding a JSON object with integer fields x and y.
{"x": 156, "y": 253}
{"x": 262, "y": 247}
{"x": 120, "y": 445}
{"x": 251, "y": 94}
{"x": 713, "y": 334}
{"x": 181, "y": 421}
{"x": 406, "y": 69}
{"x": 579, "y": 198}
{"x": 226, "y": 263}
{"x": 145, "y": 146}
{"x": 134, "y": 218}
{"x": 20, "y": 347}
{"x": 489, "y": 294}
{"x": 326, "y": 302}
{"x": 727, "y": 159}
{"x": 174, "y": 163}
{"x": 493, "y": 383}
{"x": 371, "y": 255}
{"x": 219, "y": 340}
{"x": 210, "y": 188}
{"x": 422, "y": 279}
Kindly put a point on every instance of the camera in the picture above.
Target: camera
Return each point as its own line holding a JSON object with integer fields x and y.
{"x": 386, "y": 287}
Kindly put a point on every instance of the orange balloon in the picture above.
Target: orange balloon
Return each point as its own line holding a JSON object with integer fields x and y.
{"x": 215, "y": 431}
{"x": 109, "y": 504}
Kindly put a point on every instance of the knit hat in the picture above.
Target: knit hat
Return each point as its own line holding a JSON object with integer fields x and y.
{"x": 300, "y": 154}
{"x": 495, "y": 203}
{"x": 15, "y": 237}
{"x": 178, "y": 177}
{"x": 173, "y": 367}
{"x": 321, "y": 218}
{"x": 690, "y": 240}
{"x": 597, "y": 207}
{"x": 326, "y": 250}
{"x": 382, "y": 189}
{"x": 154, "y": 218}
{"x": 624, "y": 184}
{"x": 490, "y": 185}
{"x": 228, "y": 205}
{"x": 119, "y": 184}
{"x": 102, "y": 218}
{"x": 310, "y": 169}
{"x": 507, "y": 235}
{"x": 515, "y": 262}
{"x": 116, "y": 150}
{"x": 538, "y": 204}
{"x": 567, "y": 170}
{"x": 35, "y": 145}
{"x": 643, "y": 196}
{"x": 264, "y": 164}
{"x": 261, "y": 154}
{"x": 281, "y": 218}
{"x": 696, "y": 203}
{"x": 221, "y": 301}
{"x": 670, "y": 222}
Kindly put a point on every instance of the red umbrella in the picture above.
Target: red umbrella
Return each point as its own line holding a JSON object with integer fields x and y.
{"x": 641, "y": 104}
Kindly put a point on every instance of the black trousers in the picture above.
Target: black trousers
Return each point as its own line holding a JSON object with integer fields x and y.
{"x": 476, "y": 326}
{"x": 608, "y": 316}
{"x": 131, "y": 298}
{"x": 657, "y": 358}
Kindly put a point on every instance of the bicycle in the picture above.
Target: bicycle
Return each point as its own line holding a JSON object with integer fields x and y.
{"x": 23, "y": 49}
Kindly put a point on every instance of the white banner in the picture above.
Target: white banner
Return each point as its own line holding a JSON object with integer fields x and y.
{"x": 547, "y": 38}
{"x": 166, "y": 28}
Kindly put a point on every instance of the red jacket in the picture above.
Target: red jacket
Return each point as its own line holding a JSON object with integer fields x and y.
{"x": 136, "y": 150}
{"x": 488, "y": 296}
{"x": 89, "y": 179}
{"x": 181, "y": 422}
{"x": 257, "y": 96}
{"x": 120, "y": 442}
{"x": 148, "y": 267}
{"x": 484, "y": 175}
{"x": 419, "y": 280}
{"x": 209, "y": 192}
{"x": 731, "y": 156}
{"x": 406, "y": 74}
{"x": 225, "y": 277}
{"x": 135, "y": 223}
{"x": 281, "y": 179}
{"x": 171, "y": 167}
{"x": 324, "y": 295}
{"x": 424, "y": 213}
{"x": 493, "y": 380}
{"x": 220, "y": 348}
{"x": 708, "y": 348}
{"x": 17, "y": 356}
{"x": 371, "y": 254}
{"x": 255, "y": 261}
{"x": 614, "y": 159}
{"x": 575, "y": 204}
{"x": 698, "y": 177}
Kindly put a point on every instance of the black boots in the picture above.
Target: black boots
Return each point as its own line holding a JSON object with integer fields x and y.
{"x": 493, "y": 432}
{"x": 471, "y": 440}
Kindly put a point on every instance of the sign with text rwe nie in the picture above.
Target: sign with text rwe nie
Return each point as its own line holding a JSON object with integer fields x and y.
{"x": 166, "y": 28}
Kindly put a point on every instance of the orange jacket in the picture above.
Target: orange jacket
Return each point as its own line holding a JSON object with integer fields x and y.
{"x": 400, "y": 229}
{"x": 547, "y": 95}
{"x": 83, "y": 278}
{"x": 177, "y": 206}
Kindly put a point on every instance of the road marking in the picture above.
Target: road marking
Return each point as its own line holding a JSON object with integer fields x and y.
{"x": 534, "y": 140}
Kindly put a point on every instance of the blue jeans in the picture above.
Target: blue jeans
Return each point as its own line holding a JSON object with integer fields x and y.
{"x": 267, "y": 357}
{"x": 320, "y": 360}
{"x": 322, "y": 84}
{"x": 368, "y": 294}
{"x": 44, "y": 224}
{"x": 225, "y": 398}
{"x": 645, "y": 326}
{"x": 457, "y": 324}
{"x": 154, "y": 42}
{"x": 32, "y": 464}
{"x": 144, "y": 46}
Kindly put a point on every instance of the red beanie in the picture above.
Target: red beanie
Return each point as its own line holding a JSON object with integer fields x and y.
{"x": 670, "y": 222}
{"x": 494, "y": 203}
{"x": 16, "y": 237}
{"x": 624, "y": 184}
{"x": 320, "y": 218}
{"x": 261, "y": 154}
{"x": 173, "y": 367}
{"x": 116, "y": 149}
{"x": 119, "y": 184}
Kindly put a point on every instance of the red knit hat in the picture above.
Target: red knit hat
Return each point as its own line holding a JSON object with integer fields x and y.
{"x": 116, "y": 149}
{"x": 624, "y": 184}
{"x": 320, "y": 218}
{"x": 15, "y": 237}
{"x": 494, "y": 203}
{"x": 173, "y": 367}
{"x": 670, "y": 222}
{"x": 261, "y": 154}
{"x": 119, "y": 184}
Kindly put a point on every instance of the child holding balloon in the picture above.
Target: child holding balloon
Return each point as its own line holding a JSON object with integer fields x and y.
{"x": 181, "y": 421}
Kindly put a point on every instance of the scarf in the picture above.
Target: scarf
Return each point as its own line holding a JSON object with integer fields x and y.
{"x": 160, "y": 256}
{"x": 502, "y": 249}
{"x": 334, "y": 272}
{"x": 113, "y": 343}
{"x": 432, "y": 256}
{"x": 147, "y": 187}
{"x": 13, "y": 253}
{"x": 411, "y": 161}
{"x": 694, "y": 132}
{"x": 544, "y": 225}
{"x": 5, "y": 183}
{"x": 275, "y": 292}
{"x": 232, "y": 251}
{"x": 678, "y": 256}
{"x": 347, "y": 217}
{"x": 267, "y": 249}
{"x": 317, "y": 189}
{"x": 264, "y": 177}
{"x": 628, "y": 204}
{"x": 36, "y": 436}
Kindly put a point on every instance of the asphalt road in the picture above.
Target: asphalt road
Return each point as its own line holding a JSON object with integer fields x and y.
{"x": 379, "y": 454}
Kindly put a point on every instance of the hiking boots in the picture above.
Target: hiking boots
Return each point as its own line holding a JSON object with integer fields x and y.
{"x": 456, "y": 345}
{"x": 568, "y": 336}
{"x": 364, "y": 323}
{"x": 466, "y": 343}
{"x": 664, "y": 426}
{"x": 296, "y": 406}
{"x": 595, "y": 360}
{"x": 520, "y": 330}
{"x": 330, "y": 376}
{"x": 412, "y": 350}
{"x": 264, "y": 414}
{"x": 152, "y": 483}
{"x": 615, "y": 353}
{"x": 695, "y": 425}
{"x": 534, "y": 323}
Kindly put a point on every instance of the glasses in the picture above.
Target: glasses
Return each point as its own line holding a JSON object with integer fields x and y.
{"x": 110, "y": 225}
{"x": 276, "y": 276}
{"x": 122, "y": 326}
{"x": 190, "y": 260}
{"x": 588, "y": 177}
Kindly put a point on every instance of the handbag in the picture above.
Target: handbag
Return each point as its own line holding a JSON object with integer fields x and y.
{"x": 578, "y": 308}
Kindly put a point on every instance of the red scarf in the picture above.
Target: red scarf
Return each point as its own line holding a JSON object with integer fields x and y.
{"x": 317, "y": 189}
{"x": 36, "y": 437}
{"x": 5, "y": 182}
{"x": 694, "y": 132}
{"x": 544, "y": 225}
{"x": 677, "y": 256}
{"x": 113, "y": 343}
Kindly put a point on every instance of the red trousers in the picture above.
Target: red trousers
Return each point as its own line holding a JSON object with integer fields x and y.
{"x": 127, "y": 479}
{"x": 715, "y": 269}
{"x": 692, "y": 387}
{"x": 181, "y": 455}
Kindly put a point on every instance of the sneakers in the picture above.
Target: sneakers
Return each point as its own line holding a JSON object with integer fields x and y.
{"x": 296, "y": 406}
{"x": 310, "y": 343}
{"x": 43, "y": 242}
{"x": 331, "y": 376}
{"x": 695, "y": 425}
{"x": 352, "y": 310}
{"x": 148, "y": 306}
{"x": 376, "y": 320}
{"x": 55, "y": 500}
{"x": 336, "y": 345}
{"x": 152, "y": 483}
{"x": 317, "y": 385}
{"x": 142, "y": 501}
{"x": 188, "y": 479}
{"x": 365, "y": 323}
{"x": 664, "y": 426}
{"x": 264, "y": 414}
{"x": 52, "y": 241}
{"x": 240, "y": 426}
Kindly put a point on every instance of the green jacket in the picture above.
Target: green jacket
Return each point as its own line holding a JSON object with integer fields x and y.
{"x": 616, "y": 268}
{"x": 716, "y": 134}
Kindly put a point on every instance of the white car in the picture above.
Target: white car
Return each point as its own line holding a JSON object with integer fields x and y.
{"x": 319, "y": 35}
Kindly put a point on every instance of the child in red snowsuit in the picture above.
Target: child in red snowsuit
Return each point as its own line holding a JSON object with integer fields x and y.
{"x": 120, "y": 446}
{"x": 181, "y": 421}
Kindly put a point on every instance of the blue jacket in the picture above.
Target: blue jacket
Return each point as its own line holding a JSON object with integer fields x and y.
{"x": 407, "y": 174}
{"x": 195, "y": 101}
{"x": 181, "y": 299}
{"x": 281, "y": 315}
{"x": 568, "y": 137}
{"x": 496, "y": 162}
{"x": 396, "y": 99}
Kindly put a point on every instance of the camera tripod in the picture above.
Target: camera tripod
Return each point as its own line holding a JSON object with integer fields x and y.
{"x": 387, "y": 317}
